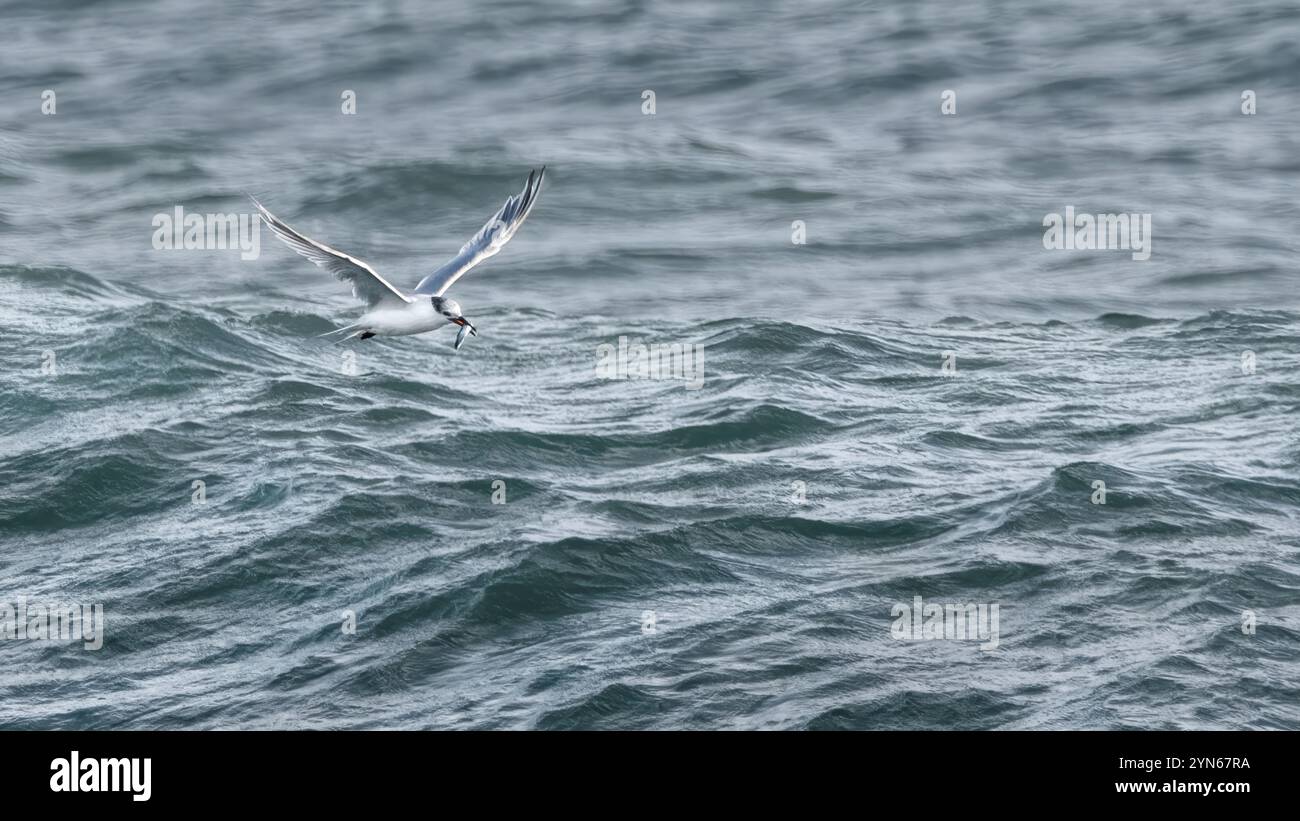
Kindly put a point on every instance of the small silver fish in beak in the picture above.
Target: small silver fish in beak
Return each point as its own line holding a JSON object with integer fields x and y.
{"x": 465, "y": 330}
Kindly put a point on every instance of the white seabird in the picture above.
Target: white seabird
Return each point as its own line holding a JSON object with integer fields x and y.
{"x": 394, "y": 312}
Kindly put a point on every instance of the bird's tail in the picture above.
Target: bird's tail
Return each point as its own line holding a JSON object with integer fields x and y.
{"x": 356, "y": 329}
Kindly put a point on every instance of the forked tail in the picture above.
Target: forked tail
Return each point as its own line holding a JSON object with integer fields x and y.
{"x": 356, "y": 329}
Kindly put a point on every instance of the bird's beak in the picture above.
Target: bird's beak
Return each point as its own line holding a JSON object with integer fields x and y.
{"x": 466, "y": 329}
{"x": 465, "y": 323}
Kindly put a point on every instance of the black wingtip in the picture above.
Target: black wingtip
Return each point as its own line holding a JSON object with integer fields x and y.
{"x": 530, "y": 190}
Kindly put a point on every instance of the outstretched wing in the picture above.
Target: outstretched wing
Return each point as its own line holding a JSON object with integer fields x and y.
{"x": 366, "y": 284}
{"x": 488, "y": 240}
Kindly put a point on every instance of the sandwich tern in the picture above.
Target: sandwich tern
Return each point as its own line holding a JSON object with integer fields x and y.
{"x": 394, "y": 312}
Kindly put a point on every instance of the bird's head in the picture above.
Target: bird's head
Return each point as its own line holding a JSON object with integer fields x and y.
{"x": 450, "y": 309}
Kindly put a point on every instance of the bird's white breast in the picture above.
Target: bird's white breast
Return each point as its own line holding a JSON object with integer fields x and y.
{"x": 401, "y": 320}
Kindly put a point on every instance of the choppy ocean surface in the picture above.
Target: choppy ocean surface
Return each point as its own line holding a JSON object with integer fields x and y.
{"x": 527, "y": 544}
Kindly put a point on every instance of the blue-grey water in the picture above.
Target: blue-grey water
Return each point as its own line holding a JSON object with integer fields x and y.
{"x": 903, "y": 394}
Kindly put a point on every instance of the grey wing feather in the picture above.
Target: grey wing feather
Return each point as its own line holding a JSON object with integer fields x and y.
{"x": 367, "y": 285}
{"x": 488, "y": 241}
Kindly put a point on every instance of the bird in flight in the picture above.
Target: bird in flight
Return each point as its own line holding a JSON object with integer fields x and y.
{"x": 394, "y": 312}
